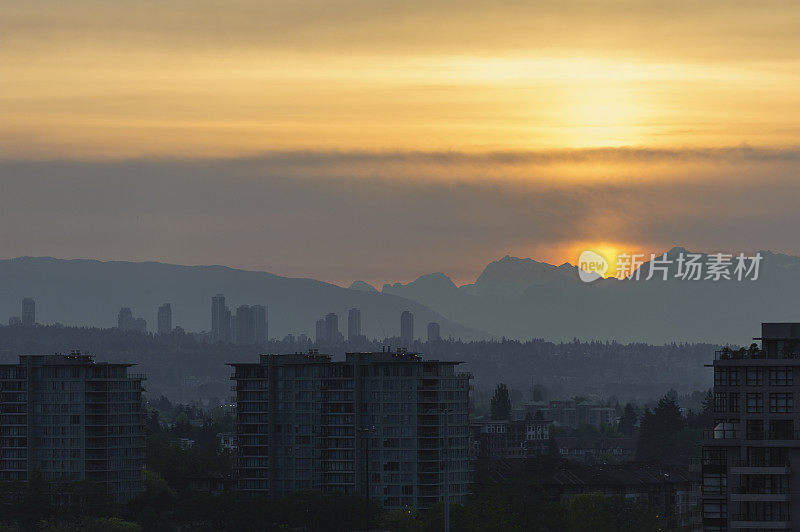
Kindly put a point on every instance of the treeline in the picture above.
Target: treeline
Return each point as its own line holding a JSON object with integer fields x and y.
{"x": 508, "y": 507}
{"x": 184, "y": 369}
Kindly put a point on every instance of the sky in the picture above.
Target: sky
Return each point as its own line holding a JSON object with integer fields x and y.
{"x": 384, "y": 140}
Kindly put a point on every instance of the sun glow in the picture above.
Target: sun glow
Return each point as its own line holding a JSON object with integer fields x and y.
{"x": 592, "y": 116}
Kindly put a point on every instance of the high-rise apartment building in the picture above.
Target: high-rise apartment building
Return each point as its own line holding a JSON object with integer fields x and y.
{"x": 260, "y": 324}
{"x": 28, "y": 312}
{"x": 124, "y": 318}
{"x": 389, "y": 424}
{"x": 165, "y": 319}
{"x": 406, "y": 328}
{"x": 353, "y": 324}
{"x": 749, "y": 475}
{"x": 220, "y": 320}
{"x": 433, "y": 332}
{"x": 332, "y": 334}
{"x": 127, "y": 322}
{"x": 321, "y": 332}
{"x": 245, "y": 326}
{"x": 72, "y": 418}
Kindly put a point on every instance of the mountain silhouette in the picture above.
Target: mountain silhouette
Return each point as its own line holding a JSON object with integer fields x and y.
{"x": 363, "y": 286}
{"x": 91, "y": 292}
{"x": 524, "y": 298}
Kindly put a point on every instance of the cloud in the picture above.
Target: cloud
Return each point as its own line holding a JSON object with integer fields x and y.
{"x": 394, "y": 216}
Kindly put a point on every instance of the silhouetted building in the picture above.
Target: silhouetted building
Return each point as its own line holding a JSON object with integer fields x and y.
{"x": 28, "y": 312}
{"x": 72, "y": 419}
{"x": 332, "y": 334}
{"x": 406, "y": 328}
{"x": 304, "y": 422}
{"x": 245, "y": 326}
{"x": 750, "y": 457}
{"x": 502, "y": 439}
{"x": 165, "y": 319}
{"x": 260, "y": 324}
{"x": 14, "y": 321}
{"x": 220, "y": 320}
{"x": 433, "y": 332}
{"x": 353, "y": 324}
{"x": 127, "y": 322}
{"x": 321, "y": 332}
{"x": 125, "y": 319}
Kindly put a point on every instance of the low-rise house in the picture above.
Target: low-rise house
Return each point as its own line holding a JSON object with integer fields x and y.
{"x": 596, "y": 448}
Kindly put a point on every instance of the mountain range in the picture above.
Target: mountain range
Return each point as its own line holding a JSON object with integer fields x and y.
{"x": 524, "y": 298}
{"x": 91, "y": 292}
{"x": 513, "y": 297}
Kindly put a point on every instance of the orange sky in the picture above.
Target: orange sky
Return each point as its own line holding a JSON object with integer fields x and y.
{"x": 93, "y": 80}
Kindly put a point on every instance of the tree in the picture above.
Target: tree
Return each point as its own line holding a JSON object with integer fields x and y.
{"x": 594, "y": 512}
{"x": 668, "y": 414}
{"x": 627, "y": 423}
{"x": 707, "y": 413}
{"x": 35, "y": 504}
{"x": 661, "y": 434}
{"x": 501, "y": 404}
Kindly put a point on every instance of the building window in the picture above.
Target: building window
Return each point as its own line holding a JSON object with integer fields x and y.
{"x": 720, "y": 376}
{"x": 733, "y": 377}
{"x": 733, "y": 402}
{"x": 755, "y": 403}
{"x": 781, "y": 403}
{"x": 715, "y": 510}
{"x": 715, "y": 483}
{"x": 715, "y": 456}
{"x": 755, "y": 376}
{"x": 781, "y": 376}
{"x": 720, "y": 402}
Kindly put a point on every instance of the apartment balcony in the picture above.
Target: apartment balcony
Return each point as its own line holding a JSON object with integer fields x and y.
{"x": 773, "y": 438}
{"x": 759, "y": 467}
{"x": 722, "y": 435}
{"x": 780, "y": 522}
{"x": 744, "y": 494}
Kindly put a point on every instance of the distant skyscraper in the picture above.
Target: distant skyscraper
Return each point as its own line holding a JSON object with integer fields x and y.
{"x": 332, "y": 328}
{"x": 165, "y": 319}
{"x": 125, "y": 319}
{"x": 260, "y": 324}
{"x": 322, "y": 335}
{"x": 353, "y": 324}
{"x": 433, "y": 332}
{"x": 245, "y": 325}
{"x": 28, "y": 312}
{"x": 140, "y": 325}
{"x": 406, "y": 328}
{"x": 220, "y": 320}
